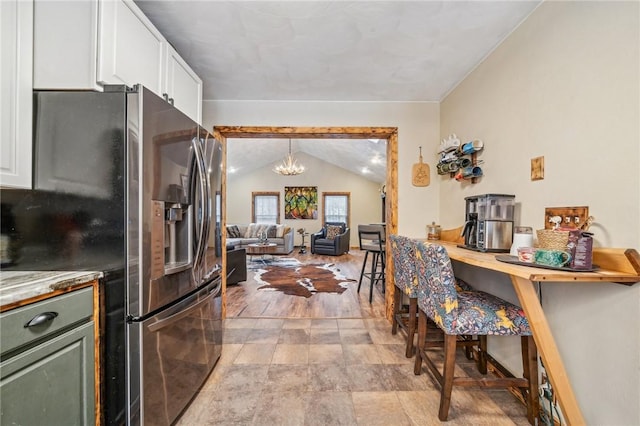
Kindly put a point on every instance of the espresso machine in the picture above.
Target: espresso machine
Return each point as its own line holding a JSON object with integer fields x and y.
{"x": 488, "y": 223}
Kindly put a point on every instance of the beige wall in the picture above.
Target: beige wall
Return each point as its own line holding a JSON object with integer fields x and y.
{"x": 565, "y": 85}
{"x": 417, "y": 123}
{"x": 365, "y": 195}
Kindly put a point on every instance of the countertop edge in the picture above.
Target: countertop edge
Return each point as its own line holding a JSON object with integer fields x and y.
{"x": 18, "y": 286}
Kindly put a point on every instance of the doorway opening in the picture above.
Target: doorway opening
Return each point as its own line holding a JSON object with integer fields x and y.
{"x": 390, "y": 134}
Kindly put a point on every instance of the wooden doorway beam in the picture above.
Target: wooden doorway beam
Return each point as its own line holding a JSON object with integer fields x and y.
{"x": 307, "y": 132}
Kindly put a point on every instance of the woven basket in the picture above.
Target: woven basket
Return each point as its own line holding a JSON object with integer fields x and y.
{"x": 552, "y": 240}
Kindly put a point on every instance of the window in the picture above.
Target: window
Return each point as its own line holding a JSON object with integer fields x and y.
{"x": 335, "y": 207}
{"x": 265, "y": 207}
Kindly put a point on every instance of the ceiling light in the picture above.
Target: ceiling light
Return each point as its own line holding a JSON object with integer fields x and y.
{"x": 231, "y": 170}
{"x": 289, "y": 166}
{"x": 365, "y": 170}
{"x": 376, "y": 159}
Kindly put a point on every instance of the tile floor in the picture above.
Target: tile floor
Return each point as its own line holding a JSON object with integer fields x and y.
{"x": 331, "y": 372}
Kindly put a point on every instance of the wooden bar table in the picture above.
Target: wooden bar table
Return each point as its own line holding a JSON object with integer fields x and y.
{"x": 621, "y": 266}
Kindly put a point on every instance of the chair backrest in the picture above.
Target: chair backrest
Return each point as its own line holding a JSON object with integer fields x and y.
{"x": 371, "y": 237}
{"x": 403, "y": 253}
{"x": 437, "y": 295}
{"x": 383, "y": 227}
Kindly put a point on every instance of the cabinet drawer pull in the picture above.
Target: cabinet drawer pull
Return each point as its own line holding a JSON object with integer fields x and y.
{"x": 41, "y": 319}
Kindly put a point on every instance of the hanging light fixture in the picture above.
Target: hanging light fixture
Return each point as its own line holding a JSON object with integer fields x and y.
{"x": 289, "y": 166}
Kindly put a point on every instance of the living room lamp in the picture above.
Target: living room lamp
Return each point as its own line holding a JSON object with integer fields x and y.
{"x": 289, "y": 166}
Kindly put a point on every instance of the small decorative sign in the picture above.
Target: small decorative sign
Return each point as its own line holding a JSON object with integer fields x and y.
{"x": 537, "y": 168}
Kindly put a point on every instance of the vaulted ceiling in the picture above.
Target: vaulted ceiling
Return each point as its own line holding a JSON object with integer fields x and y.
{"x": 365, "y": 157}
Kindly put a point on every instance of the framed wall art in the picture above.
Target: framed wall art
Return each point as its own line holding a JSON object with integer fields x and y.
{"x": 301, "y": 202}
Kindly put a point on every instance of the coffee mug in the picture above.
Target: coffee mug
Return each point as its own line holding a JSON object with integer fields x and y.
{"x": 555, "y": 258}
{"x": 463, "y": 162}
{"x": 472, "y": 146}
{"x": 471, "y": 172}
{"x": 526, "y": 254}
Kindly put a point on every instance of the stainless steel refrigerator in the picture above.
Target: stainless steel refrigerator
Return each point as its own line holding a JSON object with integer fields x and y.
{"x": 127, "y": 184}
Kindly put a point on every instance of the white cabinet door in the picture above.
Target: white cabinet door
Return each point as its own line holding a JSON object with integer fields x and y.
{"x": 183, "y": 85}
{"x": 65, "y": 45}
{"x": 131, "y": 49}
{"x": 16, "y": 77}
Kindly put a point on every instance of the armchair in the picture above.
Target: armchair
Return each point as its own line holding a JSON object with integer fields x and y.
{"x": 332, "y": 239}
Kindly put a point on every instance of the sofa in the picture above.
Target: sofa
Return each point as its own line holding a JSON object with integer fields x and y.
{"x": 332, "y": 239}
{"x": 241, "y": 235}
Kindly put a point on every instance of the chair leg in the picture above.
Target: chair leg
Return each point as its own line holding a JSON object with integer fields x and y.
{"x": 482, "y": 354}
{"x": 372, "y": 278}
{"x": 530, "y": 368}
{"x": 384, "y": 276}
{"x": 447, "y": 375}
{"x": 397, "y": 307}
{"x": 364, "y": 264}
{"x": 422, "y": 338}
{"x": 411, "y": 328}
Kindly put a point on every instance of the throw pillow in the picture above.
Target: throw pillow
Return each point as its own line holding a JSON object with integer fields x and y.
{"x": 251, "y": 231}
{"x": 260, "y": 228}
{"x": 279, "y": 231}
{"x": 233, "y": 231}
{"x": 333, "y": 231}
{"x": 272, "y": 231}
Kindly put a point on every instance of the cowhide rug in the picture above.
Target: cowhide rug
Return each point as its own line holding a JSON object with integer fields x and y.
{"x": 302, "y": 279}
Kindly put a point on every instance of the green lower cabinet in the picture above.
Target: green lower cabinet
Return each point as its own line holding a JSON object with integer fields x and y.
{"x": 52, "y": 383}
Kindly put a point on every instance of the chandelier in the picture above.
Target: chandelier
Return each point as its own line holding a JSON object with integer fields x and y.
{"x": 289, "y": 166}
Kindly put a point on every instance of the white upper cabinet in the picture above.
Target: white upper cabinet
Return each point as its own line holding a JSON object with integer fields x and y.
{"x": 183, "y": 85}
{"x": 65, "y": 45}
{"x": 131, "y": 50}
{"x": 83, "y": 45}
{"x": 16, "y": 41}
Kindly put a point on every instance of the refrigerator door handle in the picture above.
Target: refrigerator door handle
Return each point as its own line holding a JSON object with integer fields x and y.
{"x": 188, "y": 308}
{"x": 206, "y": 201}
{"x": 202, "y": 185}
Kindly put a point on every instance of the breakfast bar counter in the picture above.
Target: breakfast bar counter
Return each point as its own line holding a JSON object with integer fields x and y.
{"x": 615, "y": 266}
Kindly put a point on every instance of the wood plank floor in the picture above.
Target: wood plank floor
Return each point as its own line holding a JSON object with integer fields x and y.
{"x": 245, "y": 300}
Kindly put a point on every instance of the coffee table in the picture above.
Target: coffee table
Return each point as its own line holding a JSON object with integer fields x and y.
{"x": 261, "y": 249}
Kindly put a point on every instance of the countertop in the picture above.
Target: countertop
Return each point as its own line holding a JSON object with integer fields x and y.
{"x": 17, "y": 286}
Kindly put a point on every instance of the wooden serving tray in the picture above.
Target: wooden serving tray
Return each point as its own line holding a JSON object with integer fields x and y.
{"x": 514, "y": 259}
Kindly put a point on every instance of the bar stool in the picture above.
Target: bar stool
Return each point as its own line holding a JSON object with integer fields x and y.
{"x": 372, "y": 240}
{"x": 406, "y": 283}
{"x": 468, "y": 313}
{"x": 403, "y": 252}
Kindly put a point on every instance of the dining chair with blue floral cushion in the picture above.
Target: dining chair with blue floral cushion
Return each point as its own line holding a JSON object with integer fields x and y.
{"x": 406, "y": 283}
{"x": 403, "y": 251}
{"x": 473, "y": 313}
